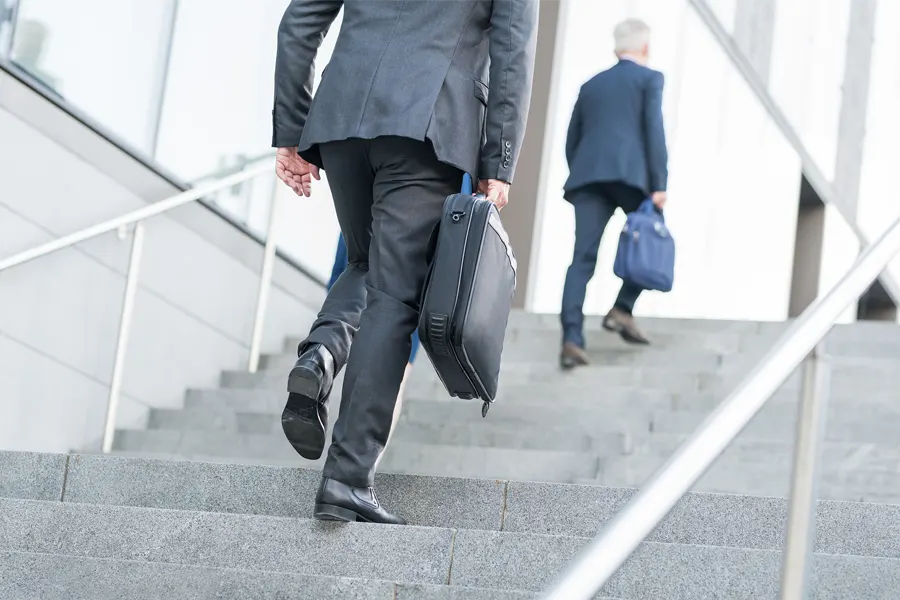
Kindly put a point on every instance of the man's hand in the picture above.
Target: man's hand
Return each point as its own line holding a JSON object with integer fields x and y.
{"x": 295, "y": 172}
{"x": 495, "y": 191}
{"x": 659, "y": 199}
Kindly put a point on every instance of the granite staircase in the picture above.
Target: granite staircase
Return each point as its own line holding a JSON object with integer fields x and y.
{"x": 209, "y": 500}
{"x": 612, "y": 423}
{"x": 76, "y": 527}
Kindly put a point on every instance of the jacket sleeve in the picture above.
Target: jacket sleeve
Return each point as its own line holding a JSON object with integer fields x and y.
{"x": 513, "y": 40}
{"x": 655, "y": 134}
{"x": 573, "y": 137}
{"x": 303, "y": 28}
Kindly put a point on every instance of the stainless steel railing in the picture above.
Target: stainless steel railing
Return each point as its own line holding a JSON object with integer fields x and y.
{"x": 622, "y": 534}
{"x": 137, "y": 218}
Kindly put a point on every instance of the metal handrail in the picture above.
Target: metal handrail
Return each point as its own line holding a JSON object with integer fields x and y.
{"x": 136, "y": 218}
{"x": 622, "y": 534}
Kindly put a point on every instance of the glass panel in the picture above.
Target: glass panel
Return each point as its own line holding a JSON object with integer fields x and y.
{"x": 7, "y": 23}
{"x": 218, "y": 111}
{"x": 217, "y": 107}
{"x": 107, "y": 61}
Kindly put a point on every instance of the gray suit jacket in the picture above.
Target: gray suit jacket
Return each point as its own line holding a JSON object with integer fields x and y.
{"x": 455, "y": 72}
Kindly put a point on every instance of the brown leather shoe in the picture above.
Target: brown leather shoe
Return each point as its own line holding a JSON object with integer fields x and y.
{"x": 572, "y": 356}
{"x": 619, "y": 321}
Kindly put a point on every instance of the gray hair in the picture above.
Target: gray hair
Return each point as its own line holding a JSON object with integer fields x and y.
{"x": 631, "y": 35}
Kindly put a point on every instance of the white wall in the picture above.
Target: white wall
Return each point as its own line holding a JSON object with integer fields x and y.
{"x": 59, "y": 314}
{"x": 734, "y": 181}
{"x": 878, "y": 200}
{"x": 808, "y": 57}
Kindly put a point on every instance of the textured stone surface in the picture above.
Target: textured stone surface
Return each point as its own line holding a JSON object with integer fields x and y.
{"x": 524, "y": 436}
{"x": 31, "y": 476}
{"x": 669, "y": 571}
{"x": 432, "y": 592}
{"x": 49, "y": 577}
{"x": 227, "y": 541}
{"x": 273, "y": 491}
{"x": 705, "y": 519}
{"x": 196, "y": 444}
{"x": 488, "y": 463}
{"x": 249, "y": 400}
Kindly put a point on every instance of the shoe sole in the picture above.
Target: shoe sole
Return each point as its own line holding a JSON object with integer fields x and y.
{"x": 568, "y": 363}
{"x": 300, "y": 420}
{"x": 623, "y": 333}
{"x": 329, "y": 512}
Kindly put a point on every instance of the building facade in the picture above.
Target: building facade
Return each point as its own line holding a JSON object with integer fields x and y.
{"x": 755, "y": 240}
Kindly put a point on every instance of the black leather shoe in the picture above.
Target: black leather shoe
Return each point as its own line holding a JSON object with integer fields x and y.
{"x": 305, "y": 417}
{"x": 337, "y": 501}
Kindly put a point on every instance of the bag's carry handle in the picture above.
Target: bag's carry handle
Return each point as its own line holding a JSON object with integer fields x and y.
{"x": 467, "y": 184}
{"x": 648, "y": 208}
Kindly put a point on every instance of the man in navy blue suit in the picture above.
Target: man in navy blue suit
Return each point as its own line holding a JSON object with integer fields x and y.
{"x": 616, "y": 150}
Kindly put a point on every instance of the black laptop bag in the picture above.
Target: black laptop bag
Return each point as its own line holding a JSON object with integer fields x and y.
{"x": 467, "y": 298}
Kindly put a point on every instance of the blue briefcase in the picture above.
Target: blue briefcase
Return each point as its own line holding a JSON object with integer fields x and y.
{"x": 646, "y": 254}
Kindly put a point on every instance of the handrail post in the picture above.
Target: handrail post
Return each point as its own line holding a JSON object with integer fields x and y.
{"x": 801, "y": 528}
{"x": 115, "y": 385}
{"x": 265, "y": 287}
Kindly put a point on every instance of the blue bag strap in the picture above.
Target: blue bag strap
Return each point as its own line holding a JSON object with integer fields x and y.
{"x": 466, "y": 184}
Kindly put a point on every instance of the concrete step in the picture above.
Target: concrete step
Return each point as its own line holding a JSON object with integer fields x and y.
{"x": 529, "y": 321}
{"x": 578, "y": 424}
{"x": 859, "y": 472}
{"x": 520, "y": 507}
{"x": 866, "y": 470}
{"x": 863, "y": 331}
{"x": 530, "y": 351}
{"x": 563, "y": 397}
{"x": 202, "y": 445}
{"x": 845, "y": 379}
{"x": 489, "y": 463}
{"x": 572, "y": 422}
{"x": 671, "y": 379}
{"x": 436, "y": 556}
{"x": 608, "y": 416}
{"x": 524, "y": 436}
{"x": 848, "y": 421}
{"x": 57, "y": 577}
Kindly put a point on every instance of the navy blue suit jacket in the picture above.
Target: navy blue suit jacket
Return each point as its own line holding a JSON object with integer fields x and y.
{"x": 616, "y": 132}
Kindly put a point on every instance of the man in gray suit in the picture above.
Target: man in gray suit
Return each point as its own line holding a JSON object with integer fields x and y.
{"x": 416, "y": 93}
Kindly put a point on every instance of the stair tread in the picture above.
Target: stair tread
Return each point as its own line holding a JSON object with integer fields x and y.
{"x": 491, "y": 505}
{"x": 59, "y": 577}
{"x": 410, "y": 554}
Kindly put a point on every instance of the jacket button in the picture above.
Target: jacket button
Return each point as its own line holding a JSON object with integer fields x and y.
{"x": 508, "y": 144}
